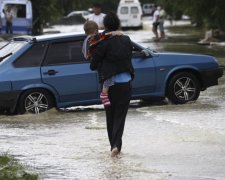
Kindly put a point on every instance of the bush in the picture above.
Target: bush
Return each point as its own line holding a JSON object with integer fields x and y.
{"x": 11, "y": 169}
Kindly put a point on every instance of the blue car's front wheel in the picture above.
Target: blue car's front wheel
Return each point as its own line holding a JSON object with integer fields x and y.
{"x": 183, "y": 87}
{"x": 35, "y": 101}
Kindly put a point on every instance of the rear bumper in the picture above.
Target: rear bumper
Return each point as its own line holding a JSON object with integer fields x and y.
{"x": 9, "y": 99}
{"x": 210, "y": 77}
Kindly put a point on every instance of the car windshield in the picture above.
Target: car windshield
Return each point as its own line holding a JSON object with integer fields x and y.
{"x": 7, "y": 50}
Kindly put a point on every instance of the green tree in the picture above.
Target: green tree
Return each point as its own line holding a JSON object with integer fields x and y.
{"x": 72, "y": 5}
{"x": 204, "y": 13}
{"x": 44, "y": 12}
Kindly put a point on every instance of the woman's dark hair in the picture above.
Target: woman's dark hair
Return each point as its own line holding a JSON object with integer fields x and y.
{"x": 97, "y": 5}
{"x": 111, "y": 22}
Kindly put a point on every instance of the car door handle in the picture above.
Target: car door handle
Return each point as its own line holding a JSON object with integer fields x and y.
{"x": 50, "y": 72}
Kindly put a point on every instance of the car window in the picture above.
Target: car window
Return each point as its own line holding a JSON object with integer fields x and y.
{"x": 10, "y": 48}
{"x": 134, "y": 10}
{"x": 86, "y": 13}
{"x": 136, "y": 50}
{"x": 32, "y": 57}
{"x": 124, "y": 10}
{"x": 68, "y": 52}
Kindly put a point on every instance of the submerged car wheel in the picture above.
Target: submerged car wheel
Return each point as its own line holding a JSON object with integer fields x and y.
{"x": 35, "y": 101}
{"x": 183, "y": 87}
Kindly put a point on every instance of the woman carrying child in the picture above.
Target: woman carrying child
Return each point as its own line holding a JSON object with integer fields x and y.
{"x": 112, "y": 59}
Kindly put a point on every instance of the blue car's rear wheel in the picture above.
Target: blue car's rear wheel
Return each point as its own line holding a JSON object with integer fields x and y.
{"x": 183, "y": 87}
{"x": 35, "y": 101}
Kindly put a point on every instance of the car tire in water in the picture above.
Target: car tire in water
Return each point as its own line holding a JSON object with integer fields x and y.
{"x": 35, "y": 101}
{"x": 183, "y": 87}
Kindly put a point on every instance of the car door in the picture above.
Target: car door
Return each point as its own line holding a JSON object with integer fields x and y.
{"x": 144, "y": 82}
{"x": 66, "y": 70}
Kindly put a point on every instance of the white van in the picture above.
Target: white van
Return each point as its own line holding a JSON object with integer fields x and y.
{"x": 22, "y": 15}
{"x": 130, "y": 13}
{"x": 148, "y": 8}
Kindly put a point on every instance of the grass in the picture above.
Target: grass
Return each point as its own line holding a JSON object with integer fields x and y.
{"x": 11, "y": 169}
{"x": 187, "y": 29}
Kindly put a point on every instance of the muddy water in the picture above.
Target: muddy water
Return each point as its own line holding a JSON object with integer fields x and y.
{"x": 70, "y": 145}
{"x": 161, "y": 141}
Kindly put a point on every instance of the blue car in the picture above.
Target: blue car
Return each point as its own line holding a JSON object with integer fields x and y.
{"x": 38, "y": 73}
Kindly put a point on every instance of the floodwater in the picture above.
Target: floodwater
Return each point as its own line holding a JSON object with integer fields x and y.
{"x": 161, "y": 140}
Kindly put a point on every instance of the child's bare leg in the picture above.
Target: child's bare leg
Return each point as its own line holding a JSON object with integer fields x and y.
{"x": 105, "y": 90}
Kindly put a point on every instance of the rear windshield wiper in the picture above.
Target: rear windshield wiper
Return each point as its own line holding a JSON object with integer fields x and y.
{"x": 4, "y": 45}
{"x": 3, "y": 57}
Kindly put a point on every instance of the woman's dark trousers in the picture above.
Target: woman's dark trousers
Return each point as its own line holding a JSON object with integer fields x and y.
{"x": 9, "y": 28}
{"x": 119, "y": 96}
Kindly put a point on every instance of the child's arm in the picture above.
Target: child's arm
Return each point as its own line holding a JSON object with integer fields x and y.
{"x": 94, "y": 40}
{"x": 85, "y": 49}
{"x": 115, "y": 33}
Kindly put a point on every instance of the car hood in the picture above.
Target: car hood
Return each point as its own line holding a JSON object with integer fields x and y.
{"x": 183, "y": 54}
{"x": 174, "y": 58}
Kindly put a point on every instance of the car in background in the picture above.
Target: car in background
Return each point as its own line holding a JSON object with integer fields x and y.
{"x": 130, "y": 14}
{"x": 74, "y": 18}
{"x": 185, "y": 17}
{"x": 38, "y": 73}
{"x": 148, "y": 8}
{"x": 84, "y": 14}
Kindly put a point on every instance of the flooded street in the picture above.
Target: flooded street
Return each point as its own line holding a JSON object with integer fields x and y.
{"x": 161, "y": 141}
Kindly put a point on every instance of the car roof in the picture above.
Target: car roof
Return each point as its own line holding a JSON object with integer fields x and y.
{"x": 48, "y": 37}
{"x": 59, "y": 36}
